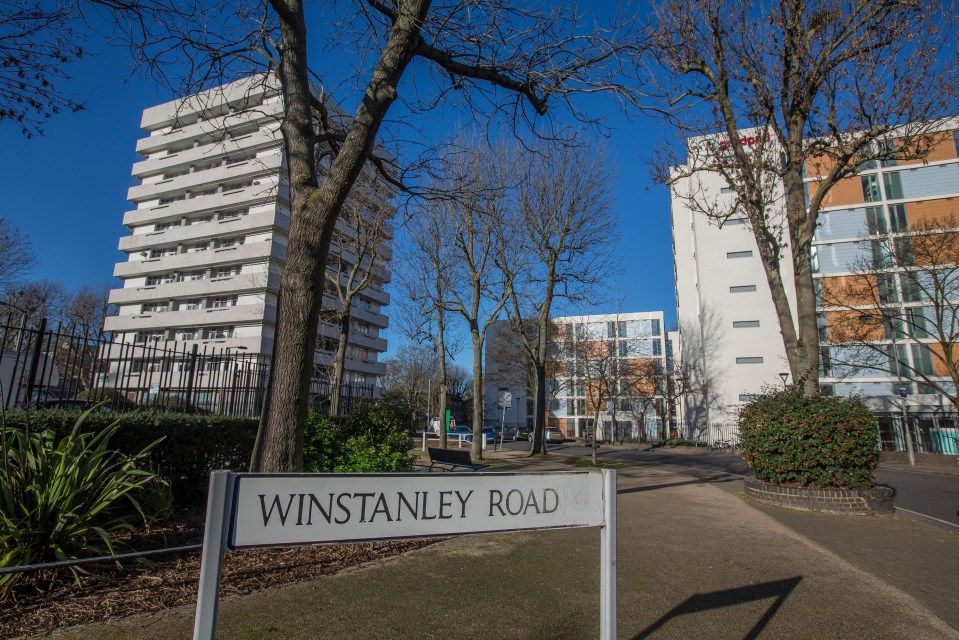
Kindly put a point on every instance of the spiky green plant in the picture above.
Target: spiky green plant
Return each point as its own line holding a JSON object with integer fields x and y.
{"x": 63, "y": 499}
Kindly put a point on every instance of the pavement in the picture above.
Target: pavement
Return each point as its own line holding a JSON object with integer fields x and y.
{"x": 695, "y": 560}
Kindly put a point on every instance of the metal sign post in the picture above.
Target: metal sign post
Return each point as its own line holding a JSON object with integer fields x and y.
{"x": 247, "y": 510}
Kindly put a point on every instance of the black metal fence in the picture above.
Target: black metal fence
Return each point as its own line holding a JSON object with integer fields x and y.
{"x": 42, "y": 366}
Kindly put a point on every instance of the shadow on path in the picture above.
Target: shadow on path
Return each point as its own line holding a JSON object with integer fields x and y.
{"x": 666, "y": 485}
{"x": 778, "y": 589}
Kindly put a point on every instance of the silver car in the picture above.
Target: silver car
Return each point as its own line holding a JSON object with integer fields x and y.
{"x": 554, "y": 435}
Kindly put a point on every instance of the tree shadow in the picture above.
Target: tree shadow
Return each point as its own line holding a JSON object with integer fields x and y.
{"x": 778, "y": 589}
{"x": 665, "y": 485}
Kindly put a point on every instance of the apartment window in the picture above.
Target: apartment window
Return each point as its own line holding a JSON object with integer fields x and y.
{"x": 739, "y": 254}
{"x": 750, "y": 360}
{"x": 747, "y": 397}
{"x": 821, "y": 326}
{"x": 229, "y": 242}
{"x": 226, "y": 272}
{"x": 161, "y": 226}
{"x": 888, "y": 148}
{"x": 905, "y": 255}
{"x": 171, "y": 200}
{"x": 363, "y": 328}
{"x": 897, "y": 218}
{"x": 880, "y": 255}
{"x": 911, "y": 291}
{"x": 196, "y": 248}
{"x": 916, "y": 322}
{"x": 156, "y": 307}
{"x": 955, "y": 140}
{"x": 654, "y": 327}
{"x": 187, "y": 334}
{"x": 214, "y": 333}
{"x": 657, "y": 348}
{"x": 893, "y": 184}
{"x": 886, "y": 287}
{"x": 922, "y": 360}
{"x": 746, "y": 288}
{"x": 192, "y": 221}
{"x": 152, "y": 281}
{"x": 734, "y": 222}
{"x": 875, "y": 221}
{"x": 745, "y": 324}
{"x": 727, "y": 190}
{"x": 193, "y": 305}
{"x": 870, "y": 188}
{"x": 362, "y": 353}
{"x": 196, "y": 275}
{"x": 363, "y": 303}
{"x": 233, "y": 215}
{"x": 222, "y": 302}
{"x": 159, "y": 253}
{"x": 825, "y": 363}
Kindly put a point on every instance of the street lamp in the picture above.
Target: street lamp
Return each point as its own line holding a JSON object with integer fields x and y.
{"x": 901, "y": 389}
{"x": 785, "y": 376}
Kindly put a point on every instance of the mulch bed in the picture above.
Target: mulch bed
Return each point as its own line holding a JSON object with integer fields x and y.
{"x": 171, "y": 581}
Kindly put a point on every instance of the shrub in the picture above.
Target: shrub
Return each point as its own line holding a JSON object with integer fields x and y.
{"x": 374, "y": 439}
{"x": 63, "y": 498}
{"x": 818, "y": 441}
{"x": 193, "y": 445}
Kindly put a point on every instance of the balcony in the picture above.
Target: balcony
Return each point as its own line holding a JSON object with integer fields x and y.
{"x": 267, "y": 165}
{"x": 245, "y": 253}
{"x": 211, "y": 129}
{"x": 198, "y": 232}
{"x": 241, "y": 283}
{"x": 372, "y": 317}
{"x": 257, "y": 193}
{"x": 258, "y": 140}
{"x": 238, "y": 315}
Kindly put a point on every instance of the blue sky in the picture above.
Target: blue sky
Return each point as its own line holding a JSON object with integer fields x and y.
{"x": 67, "y": 189}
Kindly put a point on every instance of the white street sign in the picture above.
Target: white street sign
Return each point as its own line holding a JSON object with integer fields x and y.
{"x": 253, "y": 509}
{"x": 300, "y": 509}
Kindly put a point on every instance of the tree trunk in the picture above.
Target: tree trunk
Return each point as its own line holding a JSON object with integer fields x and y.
{"x": 477, "y": 449}
{"x": 540, "y": 409}
{"x": 314, "y": 210}
{"x": 339, "y": 362}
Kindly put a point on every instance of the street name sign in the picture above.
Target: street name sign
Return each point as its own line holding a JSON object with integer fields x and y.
{"x": 247, "y": 510}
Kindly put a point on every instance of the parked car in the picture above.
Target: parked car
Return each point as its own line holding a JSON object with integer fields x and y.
{"x": 461, "y": 430}
{"x": 522, "y": 433}
{"x": 554, "y": 435}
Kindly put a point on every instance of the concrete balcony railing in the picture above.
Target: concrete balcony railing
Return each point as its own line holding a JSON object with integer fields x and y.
{"x": 375, "y": 344}
{"x": 266, "y": 165}
{"x": 238, "y": 315}
{"x": 199, "y": 232}
{"x": 210, "y": 129}
{"x": 196, "y": 261}
{"x": 251, "y": 195}
{"x": 372, "y": 317}
{"x": 240, "y": 283}
{"x": 258, "y": 140}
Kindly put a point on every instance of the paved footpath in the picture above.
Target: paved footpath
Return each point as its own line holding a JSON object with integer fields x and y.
{"x": 695, "y": 561}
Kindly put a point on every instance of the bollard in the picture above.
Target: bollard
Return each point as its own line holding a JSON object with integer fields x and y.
{"x": 424, "y": 441}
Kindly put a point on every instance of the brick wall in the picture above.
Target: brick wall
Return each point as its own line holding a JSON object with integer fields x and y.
{"x": 846, "y": 501}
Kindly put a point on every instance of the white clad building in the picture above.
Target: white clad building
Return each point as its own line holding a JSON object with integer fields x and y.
{"x": 726, "y": 315}
{"x": 208, "y": 233}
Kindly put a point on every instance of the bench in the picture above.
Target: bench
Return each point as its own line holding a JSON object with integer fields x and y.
{"x": 451, "y": 459}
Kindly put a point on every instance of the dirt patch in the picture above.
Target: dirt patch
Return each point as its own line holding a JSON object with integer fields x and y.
{"x": 171, "y": 581}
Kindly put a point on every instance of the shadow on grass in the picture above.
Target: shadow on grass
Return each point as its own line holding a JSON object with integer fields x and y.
{"x": 778, "y": 589}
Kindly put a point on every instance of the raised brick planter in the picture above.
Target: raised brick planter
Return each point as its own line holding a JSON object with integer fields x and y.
{"x": 858, "y": 502}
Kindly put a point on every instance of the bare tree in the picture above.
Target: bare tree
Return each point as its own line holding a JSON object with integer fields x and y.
{"x": 408, "y": 374}
{"x": 16, "y": 255}
{"x": 564, "y": 216}
{"x": 361, "y": 251}
{"x": 422, "y": 314}
{"x": 765, "y": 92}
{"x": 476, "y": 227}
{"x": 903, "y": 297}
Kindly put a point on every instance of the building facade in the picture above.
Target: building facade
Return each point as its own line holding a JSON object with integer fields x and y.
{"x": 208, "y": 234}
{"x": 611, "y": 362}
{"x": 877, "y": 317}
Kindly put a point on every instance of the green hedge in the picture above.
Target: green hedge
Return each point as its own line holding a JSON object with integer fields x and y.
{"x": 375, "y": 438}
{"x": 817, "y": 441}
{"x": 193, "y": 445}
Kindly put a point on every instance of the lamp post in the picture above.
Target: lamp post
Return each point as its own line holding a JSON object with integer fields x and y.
{"x": 900, "y": 389}
{"x": 784, "y": 376}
